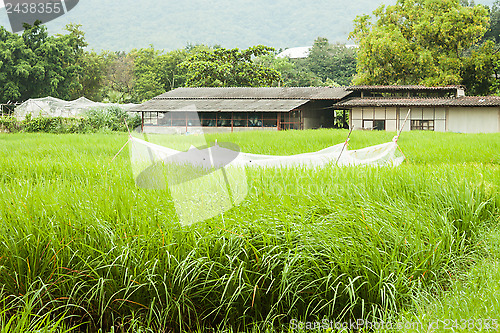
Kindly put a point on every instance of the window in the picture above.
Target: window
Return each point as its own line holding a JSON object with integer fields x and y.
{"x": 270, "y": 119}
{"x": 192, "y": 118}
{"x": 151, "y": 118}
{"x": 179, "y": 119}
{"x": 291, "y": 120}
{"x": 422, "y": 125}
{"x": 255, "y": 119}
{"x": 379, "y": 125}
{"x": 165, "y": 119}
{"x": 376, "y": 125}
{"x": 239, "y": 119}
{"x": 224, "y": 119}
{"x": 208, "y": 119}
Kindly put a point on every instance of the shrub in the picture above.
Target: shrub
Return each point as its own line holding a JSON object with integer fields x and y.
{"x": 112, "y": 119}
{"x": 95, "y": 120}
{"x": 9, "y": 124}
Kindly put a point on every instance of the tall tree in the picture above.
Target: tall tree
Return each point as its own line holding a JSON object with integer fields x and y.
{"x": 92, "y": 75}
{"x": 480, "y": 69}
{"x": 157, "y": 72}
{"x": 293, "y": 72}
{"x": 120, "y": 77}
{"x": 417, "y": 42}
{"x": 230, "y": 68}
{"x": 35, "y": 64}
{"x": 334, "y": 62}
{"x": 493, "y": 32}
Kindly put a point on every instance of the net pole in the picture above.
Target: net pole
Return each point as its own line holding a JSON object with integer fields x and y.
{"x": 118, "y": 153}
{"x": 126, "y": 143}
{"x": 402, "y": 126}
{"x": 345, "y": 145}
{"x": 128, "y": 130}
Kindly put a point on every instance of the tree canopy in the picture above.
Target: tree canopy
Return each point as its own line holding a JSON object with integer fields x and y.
{"x": 417, "y": 42}
{"x": 230, "y": 68}
{"x": 332, "y": 62}
{"x": 34, "y": 64}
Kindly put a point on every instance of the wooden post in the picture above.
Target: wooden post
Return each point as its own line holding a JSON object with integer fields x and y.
{"x": 142, "y": 121}
{"x": 301, "y": 120}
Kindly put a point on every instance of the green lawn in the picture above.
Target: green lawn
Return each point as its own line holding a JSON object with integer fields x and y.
{"x": 81, "y": 245}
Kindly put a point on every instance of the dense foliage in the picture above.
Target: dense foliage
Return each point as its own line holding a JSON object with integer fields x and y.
{"x": 427, "y": 42}
{"x": 417, "y": 42}
{"x": 332, "y": 62}
{"x": 430, "y": 42}
{"x": 34, "y": 64}
{"x": 111, "y": 119}
{"x": 230, "y": 68}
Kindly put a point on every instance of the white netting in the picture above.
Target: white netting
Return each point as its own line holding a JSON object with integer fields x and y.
{"x": 386, "y": 154}
{"x": 55, "y": 107}
{"x": 204, "y": 182}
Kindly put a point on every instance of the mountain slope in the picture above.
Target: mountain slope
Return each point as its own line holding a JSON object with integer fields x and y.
{"x": 127, "y": 24}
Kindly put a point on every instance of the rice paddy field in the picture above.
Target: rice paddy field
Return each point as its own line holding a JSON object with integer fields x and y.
{"x": 82, "y": 249}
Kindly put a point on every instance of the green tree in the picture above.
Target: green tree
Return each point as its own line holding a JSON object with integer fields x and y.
{"x": 493, "y": 32}
{"x": 92, "y": 75}
{"x": 36, "y": 65}
{"x": 120, "y": 78}
{"x": 293, "y": 72}
{"x": 15, "y": 67}
{"x": 417, "y": 42}
{"x": 157, "y": 72}
{"x": 229, "y": 68}
{"x": 481, "y": 68}
{"x": 334, "y": 62}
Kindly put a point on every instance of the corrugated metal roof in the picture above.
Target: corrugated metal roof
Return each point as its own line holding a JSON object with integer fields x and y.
{"x": 403, "y": 87}
{"x": 310, "y": 93}
{"x": 459, "y": 101}
{"x": 220, "y": 105}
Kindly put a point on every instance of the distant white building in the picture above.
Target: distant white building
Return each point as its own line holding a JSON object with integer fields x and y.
{"x": 303, "y": 52}
{"x": 295, "y": 52}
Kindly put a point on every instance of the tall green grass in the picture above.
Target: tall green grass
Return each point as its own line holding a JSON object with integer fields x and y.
{"x": 81, "y": 246}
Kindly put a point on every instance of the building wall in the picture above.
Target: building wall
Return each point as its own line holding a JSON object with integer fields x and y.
{"x": 474, "y": 120}
{"x": 317, "y": 118}
{"x": 317, "y": 114}
{"x": 435, "y": 114}
{"x": 443, "y": 119}
{"x": 200, "y": 130}
{"x": 363, "y": 117}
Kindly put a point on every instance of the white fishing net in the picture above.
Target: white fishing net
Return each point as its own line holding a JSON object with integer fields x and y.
{"x": 208, "y": 180}
{"x": 55, "y": 107}
{"x": 227, "y": 155}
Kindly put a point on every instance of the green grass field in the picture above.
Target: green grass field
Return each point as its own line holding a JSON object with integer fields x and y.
{"x": 82, "y": 247}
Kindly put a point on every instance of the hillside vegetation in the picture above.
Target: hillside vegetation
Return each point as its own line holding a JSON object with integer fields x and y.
{"x": 126, "y": 24}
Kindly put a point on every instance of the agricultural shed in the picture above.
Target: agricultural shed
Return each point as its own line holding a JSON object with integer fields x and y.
{"x": 443, "y": 109}
{"x": 55, "y": 107}
{"x": 238, "y": 109}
